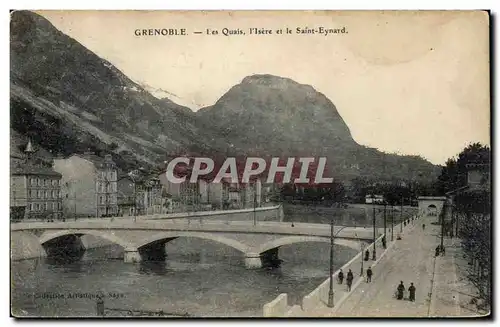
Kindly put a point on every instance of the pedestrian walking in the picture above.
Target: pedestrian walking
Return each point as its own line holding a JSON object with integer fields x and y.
{"x": 369, "y": 274}
{"x": 367, "y": 255}
{"x": 412, "y": 290}
{"x": 349, "y": 279}
{"x": 401, "y": 289}
{"x": 437, "y": 251}
{"x": 423, "y": 226}
{"x": 341, "y": 276}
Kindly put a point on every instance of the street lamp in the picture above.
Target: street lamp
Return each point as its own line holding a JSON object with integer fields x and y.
{"x": 385, "y": 225}
{"x": 254, "y": 204}
{"x": 374, "y": 257}
{"x": 401, "y": 214}
{"x": 362, "y": 252}
{"x": 392, "y": 222}
{"x": 332, "y": 236}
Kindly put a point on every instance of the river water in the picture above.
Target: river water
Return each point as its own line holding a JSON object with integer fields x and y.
{"x": 199, "y": 277}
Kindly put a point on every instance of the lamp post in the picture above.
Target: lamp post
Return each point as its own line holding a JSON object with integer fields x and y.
{"x": 445, "y": 209}
{"x": 392, "y": 222}
{"x": 254, "y": 204}
{"x": 401, "y": 214}
{"x": 374, "y": 257}
{"x": 332, "y": 237}
{"x": 362, "y": 252}
{"x": 330, "y": 292}
{"x": 385, "y": 225}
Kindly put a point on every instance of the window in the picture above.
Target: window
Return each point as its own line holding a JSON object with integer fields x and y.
{"x": 30, "y": 206}
{"x": 30, "y": 193}
{"x": 54, "y": 206}
{"x": 46, "y": 206}
{"x": 33, "y": 181}
{"x": 101, "y": 199}
{"x": 38, "y": 182}
{"x": 54, "y": 194}
{"x": 39, "y": 194}
{"x": 46, "y": 182}
{"x": 36, "y": 206}
{"x": 47, "y": 194}
{"x": 54, "y": 182}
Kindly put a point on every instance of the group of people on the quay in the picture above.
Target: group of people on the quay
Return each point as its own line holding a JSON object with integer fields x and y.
{"x": 350, "y": 277}
{"x": 401, "y": 289}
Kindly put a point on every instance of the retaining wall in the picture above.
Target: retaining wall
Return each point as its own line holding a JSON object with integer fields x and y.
{"x": 277, "y": 307}
{"x": 274, "y": 213}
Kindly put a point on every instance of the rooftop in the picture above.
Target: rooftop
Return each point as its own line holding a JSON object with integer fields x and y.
{"x": 34, "y": 170}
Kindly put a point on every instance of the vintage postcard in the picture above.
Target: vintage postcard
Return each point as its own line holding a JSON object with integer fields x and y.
{"x": 191, "y": 164}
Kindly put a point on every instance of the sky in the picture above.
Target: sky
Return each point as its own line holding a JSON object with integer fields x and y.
{"x": 404, "y": 82}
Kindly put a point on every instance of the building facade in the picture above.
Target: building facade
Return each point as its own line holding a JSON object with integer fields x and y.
{"x": 36, "y": 187}
{"x": 127, "y": 196}
{"x": 39, "y": 190}
{"x": 89, "y": 185}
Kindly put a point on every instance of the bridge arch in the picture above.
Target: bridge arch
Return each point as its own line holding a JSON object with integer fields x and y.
{"x": 206, "y": 236}
{"x": 301, "y": 239}
{"x": 46, "y": 237}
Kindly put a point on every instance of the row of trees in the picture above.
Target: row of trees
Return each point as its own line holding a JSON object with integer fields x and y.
{"x": 393, "y": 192}
{"x": 471, "y": 214}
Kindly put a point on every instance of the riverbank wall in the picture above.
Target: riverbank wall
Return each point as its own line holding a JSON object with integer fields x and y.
{"x": 270, "y": 213}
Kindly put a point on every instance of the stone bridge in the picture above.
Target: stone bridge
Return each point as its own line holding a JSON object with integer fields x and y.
{"x": 145, "y": 240}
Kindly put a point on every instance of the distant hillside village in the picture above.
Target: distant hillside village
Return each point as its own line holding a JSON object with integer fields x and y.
{"x": 86, "y": 185}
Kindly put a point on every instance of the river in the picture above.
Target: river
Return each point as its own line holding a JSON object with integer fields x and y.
{"x": 199, "y": 277}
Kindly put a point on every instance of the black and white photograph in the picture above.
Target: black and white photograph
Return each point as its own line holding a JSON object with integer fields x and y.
{"x": 250, "y": 164}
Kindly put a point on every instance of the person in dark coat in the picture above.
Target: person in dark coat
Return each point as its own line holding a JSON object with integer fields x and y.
{"x": 423, "y": 226}
{"x": 369, "y": 274}
{"x": 412, "y": 290}
{"x": 367, "y": 255}
{"x": 341, "y": 276}
{"x": 349, "y": 279}
{"x": 401, "y": 289}
{"x": 437, "y": 251}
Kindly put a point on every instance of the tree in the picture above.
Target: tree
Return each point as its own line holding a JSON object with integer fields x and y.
{"x": 454, "y": 173}
{"x": 472, "y": 210}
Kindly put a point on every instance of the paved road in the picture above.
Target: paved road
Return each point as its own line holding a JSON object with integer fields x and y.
{"x": 409, "y": 260}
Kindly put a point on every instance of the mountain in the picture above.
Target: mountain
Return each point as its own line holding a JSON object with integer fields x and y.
{"x": 271, "y": 115}
{"x": 67, "y": 99}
